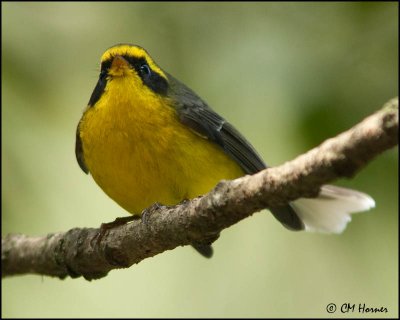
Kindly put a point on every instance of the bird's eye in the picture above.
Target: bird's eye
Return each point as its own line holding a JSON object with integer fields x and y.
{"x": 145, "y": 70}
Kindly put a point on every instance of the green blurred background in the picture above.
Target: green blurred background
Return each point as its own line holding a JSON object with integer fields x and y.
{"x": 288, "y": 75}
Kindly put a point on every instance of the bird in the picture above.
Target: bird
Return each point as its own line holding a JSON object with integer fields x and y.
{"x": 145, "y": 138}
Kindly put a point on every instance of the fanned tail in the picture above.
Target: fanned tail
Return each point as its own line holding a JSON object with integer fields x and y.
{"x": 332, "y": 210}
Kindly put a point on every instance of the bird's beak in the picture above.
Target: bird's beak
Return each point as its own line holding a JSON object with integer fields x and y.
{"x": 118, "y": 66}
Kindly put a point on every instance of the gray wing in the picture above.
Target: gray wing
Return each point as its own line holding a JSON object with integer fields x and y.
{"x": 79, "y": 151}
{"x": 198, "y": 116}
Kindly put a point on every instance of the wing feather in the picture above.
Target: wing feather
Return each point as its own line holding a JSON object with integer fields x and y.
{"x": 197, "y": 115}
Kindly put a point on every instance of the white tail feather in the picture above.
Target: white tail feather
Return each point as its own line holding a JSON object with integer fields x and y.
{"x": 332, "y": 210}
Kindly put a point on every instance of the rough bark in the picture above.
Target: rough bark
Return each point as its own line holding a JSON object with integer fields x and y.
{"x": 79, "y": 251}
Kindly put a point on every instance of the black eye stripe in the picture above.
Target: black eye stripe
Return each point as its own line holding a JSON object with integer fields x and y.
{"x": 105, "y": 65}
{"x": 150, "y": 78}
{"x": 145, "y": 70}
{"x": 99, "y": 89}
{"x": 136, "y": 63}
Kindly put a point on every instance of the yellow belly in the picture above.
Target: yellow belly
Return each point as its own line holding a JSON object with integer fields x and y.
{"x": 142, "y": 155}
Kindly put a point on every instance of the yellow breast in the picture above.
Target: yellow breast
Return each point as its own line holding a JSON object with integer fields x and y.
{"x": 139, "y": 153}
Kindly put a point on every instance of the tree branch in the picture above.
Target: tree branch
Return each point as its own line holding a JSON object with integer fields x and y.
{"x": 74, "y": 253}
